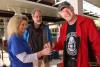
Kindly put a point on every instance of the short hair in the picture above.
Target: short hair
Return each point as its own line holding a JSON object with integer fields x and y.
{"x": 13, "y": 24}
{"x": 34, "y": 10}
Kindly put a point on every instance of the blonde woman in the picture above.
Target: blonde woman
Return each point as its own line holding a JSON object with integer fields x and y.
{"x": 19, "y": 51}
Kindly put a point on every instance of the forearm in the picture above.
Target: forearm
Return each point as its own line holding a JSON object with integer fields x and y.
{"x": 27, "y": 58}
{"x": 39, "y": 54}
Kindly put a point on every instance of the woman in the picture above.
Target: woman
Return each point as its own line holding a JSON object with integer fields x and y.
{"x": 19, "y": 51}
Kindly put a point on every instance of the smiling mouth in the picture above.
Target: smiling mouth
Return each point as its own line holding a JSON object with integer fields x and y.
{"x": 67, "y": 16}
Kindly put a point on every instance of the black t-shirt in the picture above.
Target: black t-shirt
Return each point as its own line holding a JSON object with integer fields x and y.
{"x": 71, "y": 47}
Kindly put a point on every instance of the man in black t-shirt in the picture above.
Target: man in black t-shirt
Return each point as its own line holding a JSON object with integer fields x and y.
{"x": 74, "y": 35}
{"x": 71, "y": 46}
{"x": 71, "y": 43}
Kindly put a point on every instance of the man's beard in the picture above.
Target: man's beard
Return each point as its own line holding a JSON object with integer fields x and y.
{"x": 37, "y": 25}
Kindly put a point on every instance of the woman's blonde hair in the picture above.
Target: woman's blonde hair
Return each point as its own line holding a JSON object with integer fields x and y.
{"x": 13, "y": 24}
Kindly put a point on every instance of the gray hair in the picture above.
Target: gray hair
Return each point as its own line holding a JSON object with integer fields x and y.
{"x": 34, "y": 10}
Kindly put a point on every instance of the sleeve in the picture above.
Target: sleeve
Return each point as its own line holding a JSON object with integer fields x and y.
{"x": 17, "y": 46}
{"x": 26, "y": 35}
{"x": 94, "y": 38}
{"x": 59, "y": 42}
{"x": 27, "y": 58}
{"x": 49, "y": 34}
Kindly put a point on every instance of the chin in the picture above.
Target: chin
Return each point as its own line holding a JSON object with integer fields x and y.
{"x": 68, "y": 20}
{"x": 38, "y": 23}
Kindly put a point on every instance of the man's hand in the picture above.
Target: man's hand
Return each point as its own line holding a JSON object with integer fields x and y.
{"x": 47, "y": 45}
